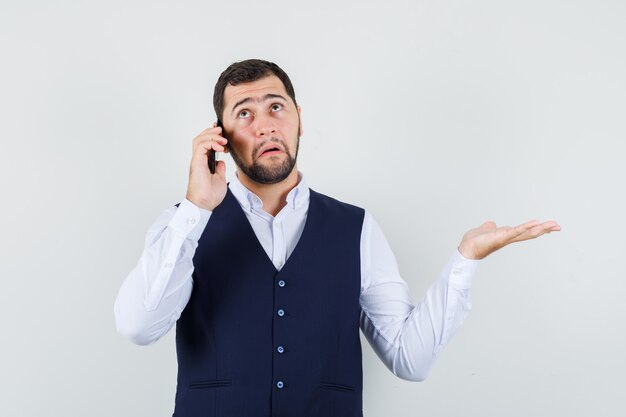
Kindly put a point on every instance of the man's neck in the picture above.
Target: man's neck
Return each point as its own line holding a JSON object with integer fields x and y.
{"x": 273, "y": 196}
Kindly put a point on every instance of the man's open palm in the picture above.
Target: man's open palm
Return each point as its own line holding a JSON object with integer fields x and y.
{"x": 488, "y": 238}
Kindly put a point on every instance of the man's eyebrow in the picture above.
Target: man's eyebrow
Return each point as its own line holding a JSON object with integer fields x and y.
{"x": 264, "y": 98}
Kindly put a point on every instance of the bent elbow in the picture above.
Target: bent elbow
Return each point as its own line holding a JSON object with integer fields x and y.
{"x": 416, "y": 378}
{"x": 133, "y": 329}
{"x": 415, "y": 368}
{"x": 419, "y": 376}
{"x": 135, "y": 334}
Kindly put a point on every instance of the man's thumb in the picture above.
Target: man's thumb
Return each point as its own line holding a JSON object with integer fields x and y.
{"x": 220, "y": 169}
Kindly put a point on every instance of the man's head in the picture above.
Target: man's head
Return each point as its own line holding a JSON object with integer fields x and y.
{"x": 256, "y": 104}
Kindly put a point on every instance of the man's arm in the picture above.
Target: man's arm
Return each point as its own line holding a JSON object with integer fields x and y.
{"x": 158, "y": 288}
{"x": 408, "y": 337}
{"x": 405, "y": 336}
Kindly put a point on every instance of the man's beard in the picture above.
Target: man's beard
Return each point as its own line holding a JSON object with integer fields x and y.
{"x": 268, "y": 174}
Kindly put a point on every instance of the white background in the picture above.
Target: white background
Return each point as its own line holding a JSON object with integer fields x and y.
{"x": 432, "y": 115}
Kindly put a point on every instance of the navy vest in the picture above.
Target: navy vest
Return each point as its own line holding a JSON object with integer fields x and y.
{"x": 257, "y": 342}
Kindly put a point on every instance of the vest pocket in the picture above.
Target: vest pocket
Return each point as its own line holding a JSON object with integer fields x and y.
{"x": 212, "y": 383}
{"x": 205, "y": 398}
{"x": 336, "y": 400}
{"x": 336, "y": 387}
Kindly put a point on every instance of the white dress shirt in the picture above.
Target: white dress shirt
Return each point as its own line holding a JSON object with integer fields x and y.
{"x": 407, "y": 337}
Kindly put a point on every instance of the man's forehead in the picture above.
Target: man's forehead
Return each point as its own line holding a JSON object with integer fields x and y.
{"x": 255, "y": 89}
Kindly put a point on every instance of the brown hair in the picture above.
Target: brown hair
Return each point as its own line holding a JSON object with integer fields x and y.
{"x": 244, "y": 72}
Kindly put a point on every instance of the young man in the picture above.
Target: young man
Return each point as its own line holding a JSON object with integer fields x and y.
{"x": 269, "y": 281}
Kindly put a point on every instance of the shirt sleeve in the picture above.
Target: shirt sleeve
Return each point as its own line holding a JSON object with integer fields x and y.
{"x": 157, "y": 289}
{"x": 408, "y": 337}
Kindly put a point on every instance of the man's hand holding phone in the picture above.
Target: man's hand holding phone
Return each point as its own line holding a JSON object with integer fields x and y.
{"x": 205, "y": 189}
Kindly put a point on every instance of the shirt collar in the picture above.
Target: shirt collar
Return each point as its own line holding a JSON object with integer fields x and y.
{"x": 296, "y": 198}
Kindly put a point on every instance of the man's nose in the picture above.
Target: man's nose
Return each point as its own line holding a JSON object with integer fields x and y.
{"x": 264, "y": 126}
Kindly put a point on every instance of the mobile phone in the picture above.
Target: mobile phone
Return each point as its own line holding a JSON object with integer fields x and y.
{"x": 212, "y": 160}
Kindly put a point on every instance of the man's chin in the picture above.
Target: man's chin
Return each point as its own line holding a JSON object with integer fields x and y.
{"x": 267, "y": 172}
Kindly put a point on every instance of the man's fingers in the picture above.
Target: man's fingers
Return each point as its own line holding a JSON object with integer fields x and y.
{"x": 212, "y": 145}
{"x": 514, "y": 232}
{"x": 529, "y": 230}
{"x": 209, "y": 142}
{"x": 210, "y": 137}
{"x": 212, "y": 129}
{"x": 538, "y": 230}
{"x": 202, "y": 146}
{"x": 217, "y": 147}
{"x": 481, "y": 241}
{"x": 555, "y": 228}
{"x": 528, "y": 225}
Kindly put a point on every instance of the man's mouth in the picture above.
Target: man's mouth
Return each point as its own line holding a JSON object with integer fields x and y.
{"x": 275, "y": 150}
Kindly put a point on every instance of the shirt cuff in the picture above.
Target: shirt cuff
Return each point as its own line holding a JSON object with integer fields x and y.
{"x": 462, "y": 270}
{"x": 190, "y": 220}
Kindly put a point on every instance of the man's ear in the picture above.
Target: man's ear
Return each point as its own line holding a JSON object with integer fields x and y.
{"x": 300, "y": 118}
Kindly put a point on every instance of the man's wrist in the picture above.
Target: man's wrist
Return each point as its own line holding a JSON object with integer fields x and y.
{"x": 467, "y": 253}
{"x": 199, "y": 203}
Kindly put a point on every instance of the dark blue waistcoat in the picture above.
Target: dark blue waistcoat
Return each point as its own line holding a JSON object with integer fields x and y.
{"x": 257, "y": 342}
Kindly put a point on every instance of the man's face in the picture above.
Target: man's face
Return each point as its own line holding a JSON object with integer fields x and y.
{"x": 262, "y": 125}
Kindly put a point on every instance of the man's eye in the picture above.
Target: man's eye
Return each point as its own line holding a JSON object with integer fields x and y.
{"x": 280, "y": 106}
{"x": 244, "y": 112}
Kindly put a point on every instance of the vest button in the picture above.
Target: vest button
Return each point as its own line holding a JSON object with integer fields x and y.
{"x": 280, "y": 349}
{"x": 280, "y": 312}
{"x": 281, "y": 283}
{"x": 280, "y": 384}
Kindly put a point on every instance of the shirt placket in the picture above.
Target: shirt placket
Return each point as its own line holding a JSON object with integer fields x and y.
{"x": 278, "y": 243}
